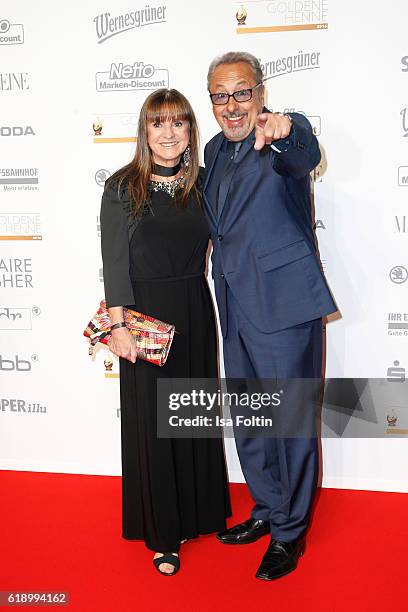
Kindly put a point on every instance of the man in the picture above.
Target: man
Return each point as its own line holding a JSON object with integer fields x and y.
{"x": 270, "y": 290}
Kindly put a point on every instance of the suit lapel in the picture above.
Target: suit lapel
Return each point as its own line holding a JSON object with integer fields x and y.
{"x": 210, "y": 206}
{"x": 217, "y": 147}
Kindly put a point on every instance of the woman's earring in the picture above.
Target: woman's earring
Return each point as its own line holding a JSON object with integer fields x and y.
{"x": 186, "y": 157}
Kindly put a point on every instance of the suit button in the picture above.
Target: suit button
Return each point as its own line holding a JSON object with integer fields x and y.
{"x": 219, "y": 237}
{"x": 222, "y": 275}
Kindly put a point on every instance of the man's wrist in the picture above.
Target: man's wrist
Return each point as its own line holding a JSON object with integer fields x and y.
{"x": 281, "y": 146}
{"x": 286, "y": 115}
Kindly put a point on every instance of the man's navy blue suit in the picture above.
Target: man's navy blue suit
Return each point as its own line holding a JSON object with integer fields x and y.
{"x": 271, "y": 296}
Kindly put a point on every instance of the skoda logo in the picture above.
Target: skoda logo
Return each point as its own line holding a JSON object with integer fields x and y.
{"x": 101, "y": 176}
{"x": 398, "y": 274}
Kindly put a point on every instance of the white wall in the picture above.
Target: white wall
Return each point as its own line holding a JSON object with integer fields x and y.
{"x": 354, "y": 92}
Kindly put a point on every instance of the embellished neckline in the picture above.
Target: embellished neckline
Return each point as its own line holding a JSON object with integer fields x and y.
{"x": 169, "y": 187}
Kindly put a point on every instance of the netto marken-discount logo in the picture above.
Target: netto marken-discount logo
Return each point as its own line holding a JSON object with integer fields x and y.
{"x": 315, "y": 122}
{"x": 107, "y": 26}
{"x": 131, "y": 77}
{"x": 11, "y": 33}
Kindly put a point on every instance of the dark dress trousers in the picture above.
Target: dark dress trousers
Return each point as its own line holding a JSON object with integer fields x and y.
{"x": 271, "y": 295}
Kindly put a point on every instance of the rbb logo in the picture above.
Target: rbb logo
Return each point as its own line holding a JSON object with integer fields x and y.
{"x": 16, "y": 364}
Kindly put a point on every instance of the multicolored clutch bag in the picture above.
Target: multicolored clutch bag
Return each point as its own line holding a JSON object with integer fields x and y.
{"x": 153, "y": 337}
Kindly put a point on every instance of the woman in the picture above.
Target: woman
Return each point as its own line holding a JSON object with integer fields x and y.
{"x": 154, "y": 242}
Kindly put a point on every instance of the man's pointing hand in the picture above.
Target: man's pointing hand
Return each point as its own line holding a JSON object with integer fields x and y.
{"x": 270, "y": 127}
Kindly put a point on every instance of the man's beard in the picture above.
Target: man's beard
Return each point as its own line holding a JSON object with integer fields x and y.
{"x": 238, "y": 132}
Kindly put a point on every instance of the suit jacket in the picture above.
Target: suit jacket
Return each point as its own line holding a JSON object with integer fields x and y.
{"x": 263, "y": 240}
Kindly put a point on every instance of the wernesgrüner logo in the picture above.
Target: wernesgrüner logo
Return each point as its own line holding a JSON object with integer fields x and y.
{"x": 108, "y": 26}
{"x": 11, "y": 33}
{"x": 280, "y": 15}
{"x": 19, "y": 178}
{"x": 291, "y": 63}
{"x": 17, "y": 226}
{"x": 132, "y": 77}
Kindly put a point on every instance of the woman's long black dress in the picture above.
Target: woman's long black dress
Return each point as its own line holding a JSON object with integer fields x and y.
{"x": 171, "y": 488}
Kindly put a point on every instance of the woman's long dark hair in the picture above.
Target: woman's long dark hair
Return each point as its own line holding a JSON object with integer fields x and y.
{"x": 160, "y": 105}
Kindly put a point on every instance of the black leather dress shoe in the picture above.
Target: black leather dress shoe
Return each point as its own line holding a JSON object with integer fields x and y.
{"x": 280, "y": 558}
{"x": 245, "y": 533}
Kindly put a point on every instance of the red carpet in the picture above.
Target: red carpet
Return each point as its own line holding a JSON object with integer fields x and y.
{"x": 62, "y": 533}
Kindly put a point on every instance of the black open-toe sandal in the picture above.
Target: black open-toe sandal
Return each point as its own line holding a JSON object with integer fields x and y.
{"x": 170, "y": 558}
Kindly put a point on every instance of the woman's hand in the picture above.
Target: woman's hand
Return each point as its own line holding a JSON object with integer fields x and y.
{"x": 122, "y": 344}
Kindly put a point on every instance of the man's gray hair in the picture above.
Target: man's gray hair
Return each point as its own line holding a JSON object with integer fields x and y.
{"x": 232, "y": 57}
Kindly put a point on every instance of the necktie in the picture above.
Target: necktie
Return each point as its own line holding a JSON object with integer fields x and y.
{"x": 232, "y": 149}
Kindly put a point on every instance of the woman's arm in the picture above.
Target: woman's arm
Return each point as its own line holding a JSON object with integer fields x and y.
{"x": 115, "y": 256}
{"x": 115, "y": 250}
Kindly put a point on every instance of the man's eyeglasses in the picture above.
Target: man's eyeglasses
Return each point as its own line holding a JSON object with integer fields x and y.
{"x": 243, "y": 95}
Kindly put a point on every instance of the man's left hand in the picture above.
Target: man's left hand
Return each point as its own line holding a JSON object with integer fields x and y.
{"x": 270, "y": 127}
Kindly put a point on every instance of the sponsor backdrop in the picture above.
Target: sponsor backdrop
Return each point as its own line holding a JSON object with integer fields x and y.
{"x": 73, "y": 78}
